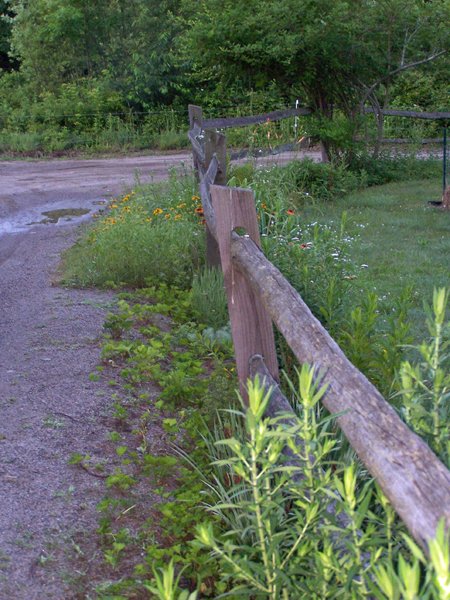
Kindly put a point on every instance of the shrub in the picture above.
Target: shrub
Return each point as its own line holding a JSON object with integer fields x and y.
{"x": 322, "y": 181}
{"x": 297, "y": 183}
{"x": 392, "y": 168}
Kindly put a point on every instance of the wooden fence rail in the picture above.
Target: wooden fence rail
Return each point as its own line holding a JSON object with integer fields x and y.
{"x": 410, "y": 475}
{"x": 414, "y": 114}
{"x": 278, "y": 115}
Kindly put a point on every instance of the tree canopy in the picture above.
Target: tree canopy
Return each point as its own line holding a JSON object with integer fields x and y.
{"x": 334, "y": 52}
{"x": 335, "y": 55}
{"x": 126, "y": 43}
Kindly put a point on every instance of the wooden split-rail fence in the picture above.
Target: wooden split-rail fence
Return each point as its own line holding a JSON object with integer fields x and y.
{"x": 410, "y": 475}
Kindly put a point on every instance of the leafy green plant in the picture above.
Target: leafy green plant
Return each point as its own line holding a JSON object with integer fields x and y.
{"x": 425, "y": 386}
{"x": 417, "y": 577}
{"x": 374, "y": 337}
{"x": 268, "y": 517}
{"x": 209, "y": 299}
{"x": 321, "y": 535}
{"x": 166, "y": 586}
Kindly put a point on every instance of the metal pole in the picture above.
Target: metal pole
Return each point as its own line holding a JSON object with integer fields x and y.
{"x": 444, "y": 161}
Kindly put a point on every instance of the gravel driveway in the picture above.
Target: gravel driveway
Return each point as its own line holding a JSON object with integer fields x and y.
{"x": 49, "y": 345}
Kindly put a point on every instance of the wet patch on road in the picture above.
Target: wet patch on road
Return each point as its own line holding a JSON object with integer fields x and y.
{"x": 53, "y": 216}
{"x": 61, "y": 214}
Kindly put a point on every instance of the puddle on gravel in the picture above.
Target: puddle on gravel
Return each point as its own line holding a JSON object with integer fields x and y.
{"x": 53, "y": 216}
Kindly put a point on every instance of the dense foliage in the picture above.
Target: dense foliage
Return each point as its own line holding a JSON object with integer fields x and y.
{"x": 71, "y": 65}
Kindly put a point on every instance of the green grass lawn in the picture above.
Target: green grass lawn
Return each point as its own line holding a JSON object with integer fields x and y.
{"x": 401, "y": 238}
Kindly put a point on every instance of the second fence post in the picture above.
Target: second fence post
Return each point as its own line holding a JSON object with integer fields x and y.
{"x": 215, "y": 144}
{"x": 195, "y": 118}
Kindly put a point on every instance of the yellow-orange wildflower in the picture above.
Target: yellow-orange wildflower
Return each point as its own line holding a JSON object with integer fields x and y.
{"x": 158, "y": 211}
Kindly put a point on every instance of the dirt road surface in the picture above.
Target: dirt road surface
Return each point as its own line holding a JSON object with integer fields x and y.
{"x": 49, "y": 345}
{"x": 30, "y": 188}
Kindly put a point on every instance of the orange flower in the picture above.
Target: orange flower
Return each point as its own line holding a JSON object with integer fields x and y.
{"x": 290, "y": 212}
{"x": 158, "y": 211}
{"x": 199, "y": 210}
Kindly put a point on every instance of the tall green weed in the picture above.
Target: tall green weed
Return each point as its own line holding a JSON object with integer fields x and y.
{"x": 425, "y": 384}
{"x": 317, "y": 530}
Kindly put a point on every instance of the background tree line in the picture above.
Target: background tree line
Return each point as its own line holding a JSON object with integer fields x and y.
{"x": 108, "y": 57}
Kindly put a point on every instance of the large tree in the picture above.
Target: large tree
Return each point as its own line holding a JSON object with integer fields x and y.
{"x": 141, "y": 59}
{"x": 6, "y": 18}
{"x": 335, "y": 53}
{"x": 126, "y": 44}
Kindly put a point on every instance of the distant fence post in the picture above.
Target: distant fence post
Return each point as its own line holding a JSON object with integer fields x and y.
{"x": 215, "y": 145}
{"x": 445, "y": 189}
{"x": 195, "y": 118}
{"x": 251, "y": 325}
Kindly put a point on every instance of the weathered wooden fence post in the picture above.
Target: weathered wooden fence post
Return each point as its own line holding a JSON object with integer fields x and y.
{"x": 251, "y": 325}
{"x": 215, "y": 145}
{"x": 195, "y": 118}
{"x": 206, "y": 145}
